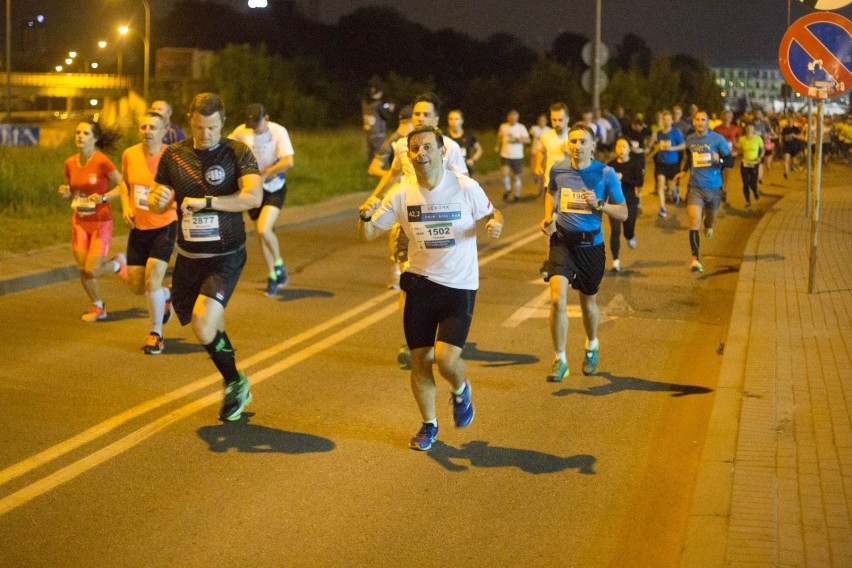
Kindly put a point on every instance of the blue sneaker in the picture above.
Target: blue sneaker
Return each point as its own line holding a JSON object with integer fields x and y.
{"x": 590, "y": 362}
{"x": 271, "y": 287}
{"x": 281, "y": 276}
{"x": 462, "y": 407}
{"x": 423, "y": 440}
{"x": 557, "y": 371}
{"x": 237, "y": 397}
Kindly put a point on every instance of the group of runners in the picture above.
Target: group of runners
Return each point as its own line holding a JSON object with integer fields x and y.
{"x": 192, "y": 194}
{"x": 189, "y": 194}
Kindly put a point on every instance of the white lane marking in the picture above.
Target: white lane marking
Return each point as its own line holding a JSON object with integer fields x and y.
{"x": 100, "y": 456}
{"x": 539, "y": 307}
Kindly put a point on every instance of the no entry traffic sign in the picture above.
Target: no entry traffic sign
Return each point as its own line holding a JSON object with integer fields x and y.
{"x": 815, "y": 55}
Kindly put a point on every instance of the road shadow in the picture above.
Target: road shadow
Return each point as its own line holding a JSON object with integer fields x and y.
{"x": 720, "y": 271}
{"x": 622, "y": 384}
{"x": 178, "y": 346}
{"x": 131, "y": 313}
{"x": 481, "y": 454}
{"x": 669, "y": 225}
{"x": 248, "y": 438}
{"x": 292, "y": 294}
{"x": 471, "y": 352}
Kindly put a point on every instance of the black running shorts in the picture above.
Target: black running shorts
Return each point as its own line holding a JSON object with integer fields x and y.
{"x": 274, "y": 199}
{"x": 434, "y": 312}
{"x": 143, "y": 244}
{"x": 215, "y": 277}
{"x": 583, "y": 266}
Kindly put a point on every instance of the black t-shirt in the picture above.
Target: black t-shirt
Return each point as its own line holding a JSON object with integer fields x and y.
{"x": 632, "y": 174}
{"x": 637, "y": 138}
{"x": 199, "y": 173}
{"x": 466, "y": 141}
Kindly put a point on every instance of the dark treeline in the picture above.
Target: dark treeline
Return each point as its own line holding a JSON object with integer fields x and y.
{"x": 311, "y": 74}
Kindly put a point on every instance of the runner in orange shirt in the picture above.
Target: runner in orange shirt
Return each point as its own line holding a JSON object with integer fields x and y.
{"x": 152, "y": 235}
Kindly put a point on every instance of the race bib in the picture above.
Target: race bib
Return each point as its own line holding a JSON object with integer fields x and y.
{"x": 573, "y": 201}
{"x": 82, "y": 205}
{"x": 750, "y": 163}
{"x": 434, "y": 235}
{"x": 140, "y": 196}
{"x": 702, "y": 159}
{"x": 432, "y": 225}
{"x": 200, "y": 227}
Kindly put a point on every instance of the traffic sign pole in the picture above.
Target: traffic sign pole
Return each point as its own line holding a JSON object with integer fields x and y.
{"x": 810, "y": 154}
{"x": 815, "y": 216}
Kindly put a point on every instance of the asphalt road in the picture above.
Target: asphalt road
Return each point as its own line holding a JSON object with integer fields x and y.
{"x": 114, "y": 458}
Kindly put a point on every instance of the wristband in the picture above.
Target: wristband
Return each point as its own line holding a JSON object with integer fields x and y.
{"x": 208, "y": 202}
{"x": 365, "y": 219}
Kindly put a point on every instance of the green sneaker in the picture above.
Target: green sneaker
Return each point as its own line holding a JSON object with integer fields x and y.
{"x": 558, "y": 371}
{"x": 237, "y": 397}
{"x": 590, "y": 362}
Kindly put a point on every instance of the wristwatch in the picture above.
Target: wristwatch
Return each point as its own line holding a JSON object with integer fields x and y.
{"x": 103, "y": 198}
{"x": 366, "y": 219}
{"x": 600, "y": 205}
{"x": 208, "y": 202}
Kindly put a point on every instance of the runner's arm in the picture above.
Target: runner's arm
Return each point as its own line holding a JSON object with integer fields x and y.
{"x": 248, "y": 197}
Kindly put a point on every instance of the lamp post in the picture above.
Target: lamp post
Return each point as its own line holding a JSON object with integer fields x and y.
{"x": 9, "y": 60}
{"x": 146, "y": 43}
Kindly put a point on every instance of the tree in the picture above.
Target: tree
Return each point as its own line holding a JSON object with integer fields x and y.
{"x": 628, "y": 89}
{"x": 632, "y": 53}
{"x": 663, "y": 85}
{"x": 698, "y": 84}
{"x": 567, "y": 49}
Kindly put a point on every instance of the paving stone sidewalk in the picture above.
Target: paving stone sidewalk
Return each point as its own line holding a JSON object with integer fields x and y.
{"x": 775, "y": 482}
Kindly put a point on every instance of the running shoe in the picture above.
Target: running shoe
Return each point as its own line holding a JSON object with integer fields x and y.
{"x": 757, "y": 192}
{"x": 543, "y": 270}
{"x": 154, "y": 344}
{"x": 237, "y": 397}
{"x": 94, "y": 314}
{"x": 282, "y": 276}
{"x": 632, "y": 243}
{"x": 590, "y": 362}
{"x": 168, "y": 312}
{"x": 558, "y": 371}
{"x": 122, "y": 266}
{"x": 696, "y": 266}
{"x": 271, "y": 287}
{"x": 663, "y": 212}
{"x": 675, "y": 197}
{"x": 423, "y": 439}
{"x": 616, "y": 265}
{"x": 708, "y": 233}
{"x": 748, "y": 205}
{"x": 403, "y": 356}
{"x": 462, "y": 407}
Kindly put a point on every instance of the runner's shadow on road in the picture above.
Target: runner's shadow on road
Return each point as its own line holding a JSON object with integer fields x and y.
{"x": 131, "y": 313}
{"x": 248, "y": 438}
{"x": 496, "y": 358}
{"x": 762, "y": 257}
{"x": 293, "y": 294}
{"x": 623, "y": 384}
{"x": 178, "y": 346}
{"x": 481, "y": 454}
{"x": 721, "y": 271}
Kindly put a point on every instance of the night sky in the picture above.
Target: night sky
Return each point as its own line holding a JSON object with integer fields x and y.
{"x": 720, "y": 32}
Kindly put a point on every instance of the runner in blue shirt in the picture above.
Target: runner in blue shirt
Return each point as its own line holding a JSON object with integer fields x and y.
{"x": 580, "y": 191}
{"x": 704, "y": 152}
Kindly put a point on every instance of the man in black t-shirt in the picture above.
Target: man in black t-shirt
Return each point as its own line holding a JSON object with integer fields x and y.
{"x": 212, "y": 180}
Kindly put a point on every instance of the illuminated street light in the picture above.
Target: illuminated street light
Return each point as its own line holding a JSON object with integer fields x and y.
{"x": 72, "y": 54}
{"x": 94, "y": 65}
{"x": 102, "y": 44}
{"x": 93, "y": 102}
{"x": 123, "y": 30}
{"x": 68, "y": 61}
{"x": 146, "y": 44}
{"x": 59, "y": 68}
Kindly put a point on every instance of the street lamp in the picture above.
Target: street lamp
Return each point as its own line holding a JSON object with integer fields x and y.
{"x": 146, "y": 43}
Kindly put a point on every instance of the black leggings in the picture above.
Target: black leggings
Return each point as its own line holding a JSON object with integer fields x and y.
{"x": 749, "y": 175}
{"x": 629, "y": 224}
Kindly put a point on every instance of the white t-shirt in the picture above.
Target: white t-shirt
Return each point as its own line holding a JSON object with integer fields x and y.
{"x": 553, "y": 146}
{"x": 605, "y": 128}
{"x": 441, "y": 227}
{"x": 517, "y": 132}
{"x": 267, "y": 148}
{"x": 535, "y": 132}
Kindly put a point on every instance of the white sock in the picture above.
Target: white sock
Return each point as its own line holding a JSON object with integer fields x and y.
{"x": 518, "y": 187}
{"x": 507, "y": 183}
{"x": 156, "y": 309}
{"x": 561, "y": 356}
{"x": 433, "y": 422}
{"x": 461, "y": 390}
{"x": 592, "y": 345}
{"x": 98, "y": 303}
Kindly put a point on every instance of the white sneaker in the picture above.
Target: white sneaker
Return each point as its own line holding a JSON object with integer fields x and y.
{"x": 616, "y": 265}
{"x": 632, "y": 243}
{"x": 696, "y": 266}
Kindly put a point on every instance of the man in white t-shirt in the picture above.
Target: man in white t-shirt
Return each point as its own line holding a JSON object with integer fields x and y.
{"x": 511, "y": 138}
{"x": 438, "y": 210}
{"x": 271, "y": 146}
